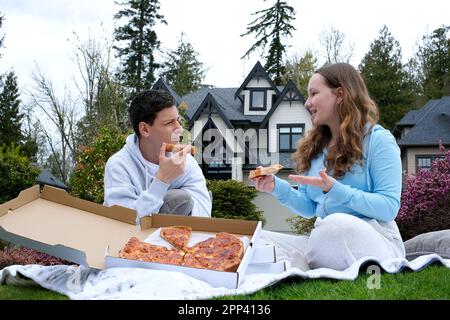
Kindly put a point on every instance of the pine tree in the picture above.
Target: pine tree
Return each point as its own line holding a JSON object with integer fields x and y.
{"x": 10, "y": 116}
{"x": 271, "y": 27}
{"x": 433, "y": 60}
{"x": 182, "y": 70}
{"x": 141, "y": 41}
{"x": 386, "y": 78}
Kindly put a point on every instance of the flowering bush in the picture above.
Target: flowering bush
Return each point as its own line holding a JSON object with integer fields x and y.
{"x": 87, "y": 178}
{"x": 425, "y": 201}
{"x": 23, "y": 256}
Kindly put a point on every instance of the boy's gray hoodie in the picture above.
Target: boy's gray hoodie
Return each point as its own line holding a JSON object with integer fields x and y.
{"x": 130, "y": 181}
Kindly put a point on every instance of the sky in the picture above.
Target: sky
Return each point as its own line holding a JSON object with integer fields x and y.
{"x": 41, "y": 32}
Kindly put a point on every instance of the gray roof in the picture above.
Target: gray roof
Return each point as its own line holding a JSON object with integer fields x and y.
{"x": 46, "y": 177}
{"x": 162, "y": 85}
{"x": 230, "y": 106}
{"x": 431, "y": 124}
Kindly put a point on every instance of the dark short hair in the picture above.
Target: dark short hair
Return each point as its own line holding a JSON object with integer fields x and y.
{"x": 146, "y": 104}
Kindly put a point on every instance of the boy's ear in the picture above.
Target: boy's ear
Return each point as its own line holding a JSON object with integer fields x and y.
{"x": 144, "y": 129}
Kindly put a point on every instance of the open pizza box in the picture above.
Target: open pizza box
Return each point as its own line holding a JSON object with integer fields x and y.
{"x": 90, "y": 234}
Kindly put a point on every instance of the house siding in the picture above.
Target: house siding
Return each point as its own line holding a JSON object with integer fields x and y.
{"x": 261, "y": 83}
{"x": 412, "y": 152}
{"x": 287, "y": 113}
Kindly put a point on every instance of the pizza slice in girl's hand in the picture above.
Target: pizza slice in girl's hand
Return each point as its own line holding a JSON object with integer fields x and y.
{"x": 170, "y": 147}
{"x": 273, "y": 169}
{"x": 178, "y": 236}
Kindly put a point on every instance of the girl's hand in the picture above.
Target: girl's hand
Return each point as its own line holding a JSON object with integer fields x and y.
{"x": 323, "y": 181}
{"x": 264, "y": 183}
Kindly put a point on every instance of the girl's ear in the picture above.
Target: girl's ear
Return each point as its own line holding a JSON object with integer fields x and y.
{"x": 339, "y": 94}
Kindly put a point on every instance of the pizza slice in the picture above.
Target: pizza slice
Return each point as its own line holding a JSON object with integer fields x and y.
{"x": 190, "y": 261}
{"x": 137, "y": 250}
{"x": 170, "y": 147}
{"x": 223, "y": 252}
{"x": 178, "y": 236}
{"x": 273, "y": 169}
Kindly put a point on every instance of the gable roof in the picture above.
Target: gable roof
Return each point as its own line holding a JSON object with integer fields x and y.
{"x": 160, "y": 84}
{"x": 209, "y": 102}
{"x": 431, "y": 124}
{"x": 231, "y": 106}
{"x": 47, "y": 178}
{"x": 290, "y": 93}
{"x": 257, "y": 71}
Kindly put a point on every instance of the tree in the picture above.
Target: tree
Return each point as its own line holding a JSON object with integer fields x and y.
{"x": 104, "y": 99}
{"x": 141, "y": 41}
{"x": 1, "y": 37}
{"x": 336, "y": 49}
{"x": 300, "y": 69}
{"x": 272, "y": 25}
{"x": 57, "y": 122}
{"x": 433, "y": 62}
{"x": 10, "y": 116}
{"x": 386, "y": 78}
{"x": 182, "y": 70}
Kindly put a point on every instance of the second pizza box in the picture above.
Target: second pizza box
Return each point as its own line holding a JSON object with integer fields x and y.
{"x": 80, "y": 231}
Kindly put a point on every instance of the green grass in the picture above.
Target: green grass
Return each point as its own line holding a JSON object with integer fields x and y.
{"x": 10, "y": 292}
{"x": 430, "y": 283}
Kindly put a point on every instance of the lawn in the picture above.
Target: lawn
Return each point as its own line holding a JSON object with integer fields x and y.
{"x": 430, "y": 283}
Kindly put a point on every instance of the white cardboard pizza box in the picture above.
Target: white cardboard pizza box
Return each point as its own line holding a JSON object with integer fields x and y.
{"x": 264, "y": 253}
{"x": 79, "y": 231}
{"x": 249, "y": 229}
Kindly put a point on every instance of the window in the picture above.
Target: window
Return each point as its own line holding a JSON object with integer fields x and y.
{"x": 424, "y": 162}
{"x": 258, "y": 100}
{"x": 289, "y": 135}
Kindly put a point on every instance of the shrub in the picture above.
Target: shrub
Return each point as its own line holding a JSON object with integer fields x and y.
{"x": 23, "y": 256}
{"x": 301, "y": 225}
{"x": 425, "y": 201}
{"x": 233, "y": 200}
{"x": 87, "y": 178}
{"x": 16, "y": 172}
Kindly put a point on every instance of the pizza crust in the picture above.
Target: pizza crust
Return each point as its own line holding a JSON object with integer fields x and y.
{"x": 273, "y": 169}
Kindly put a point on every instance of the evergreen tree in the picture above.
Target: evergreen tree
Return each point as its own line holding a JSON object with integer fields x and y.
{"x": 433, "y": 62}
{"x": 141, "y": 41}
{"x": 270, "y": 27}
{"x": 10, "y": 116}
{"x": 182, "y": 70}
{"x": 386, "y": 78}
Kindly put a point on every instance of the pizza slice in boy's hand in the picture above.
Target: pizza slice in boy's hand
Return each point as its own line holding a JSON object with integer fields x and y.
{"x": 273, "y": 169}
{"x": 170, "y": 147}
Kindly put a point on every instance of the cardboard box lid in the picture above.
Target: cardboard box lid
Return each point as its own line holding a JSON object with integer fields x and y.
{"x": 80, "y": 231}
{"x": 55, "y": 222}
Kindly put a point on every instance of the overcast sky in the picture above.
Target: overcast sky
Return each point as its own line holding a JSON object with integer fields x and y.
{"x": 37, "y": 31}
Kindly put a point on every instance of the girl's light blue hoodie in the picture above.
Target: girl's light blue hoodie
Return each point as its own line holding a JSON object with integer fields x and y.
{"x": 371, "y": 190}
{"x": 130, "y": 181}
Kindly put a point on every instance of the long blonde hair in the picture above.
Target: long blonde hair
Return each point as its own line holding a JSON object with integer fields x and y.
{"x": 355, "y": 110}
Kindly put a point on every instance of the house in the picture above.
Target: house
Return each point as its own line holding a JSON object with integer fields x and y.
{"x": 420, "y": 132}
{"x": 237, "y": 129}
